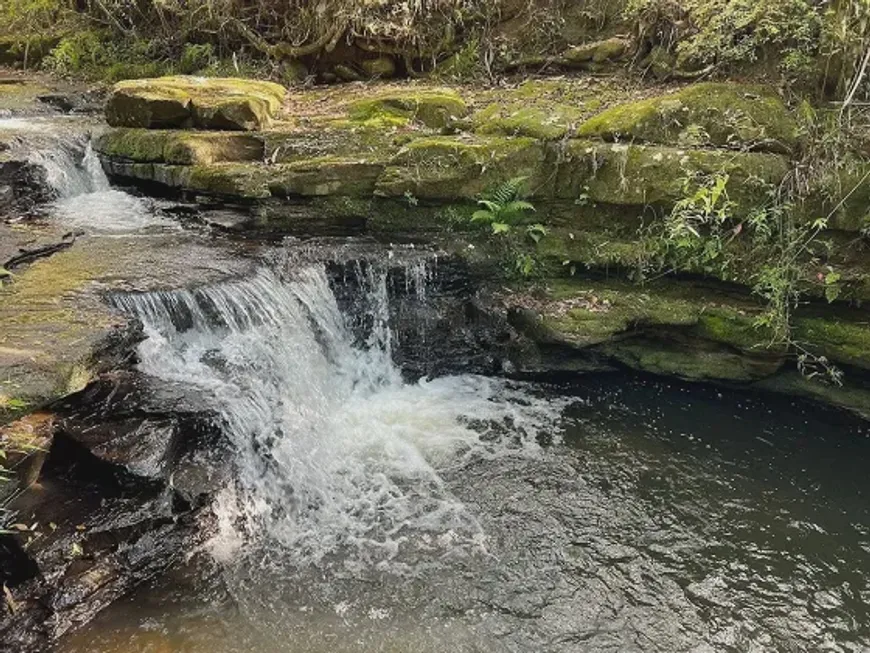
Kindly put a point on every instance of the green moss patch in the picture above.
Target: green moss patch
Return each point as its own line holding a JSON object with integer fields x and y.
{"x": 434, "y": 108}
{"x": 461, "y": 168}
{"x": 717, "y": 114}
{"x": 178, "y": 147}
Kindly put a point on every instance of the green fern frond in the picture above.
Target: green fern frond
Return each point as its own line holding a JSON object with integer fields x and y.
{"x": 508, "y": 191}
{"x": 519, "y": 206}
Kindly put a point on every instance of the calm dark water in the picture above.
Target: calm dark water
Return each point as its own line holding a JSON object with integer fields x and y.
{"x": 663, "y": 517}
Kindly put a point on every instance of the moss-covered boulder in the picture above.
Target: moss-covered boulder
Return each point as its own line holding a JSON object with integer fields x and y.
{"x": 446, "y": 168}
{"x": 434, "y": 108}
{"x": 717, "y": 114}
{"x": 178, "y": 147}
{"x": 638, "y": 175}
{"x": 204, "y": 103}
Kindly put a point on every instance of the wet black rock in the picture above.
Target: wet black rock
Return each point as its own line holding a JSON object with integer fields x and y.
{"x": 86, "y": 101}
{"x": 23, "y": 186}
{"x": 123, "y": 494}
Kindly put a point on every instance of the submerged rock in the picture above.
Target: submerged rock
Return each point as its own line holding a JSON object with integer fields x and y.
{"x": 203, "y": 103}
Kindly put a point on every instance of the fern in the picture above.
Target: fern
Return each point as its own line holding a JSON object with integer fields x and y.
{"x": 507, "y": 191}
{"x": 502, "y": 206}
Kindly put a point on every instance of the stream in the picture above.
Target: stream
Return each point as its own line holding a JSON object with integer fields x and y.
{"x": 369, "y": 510}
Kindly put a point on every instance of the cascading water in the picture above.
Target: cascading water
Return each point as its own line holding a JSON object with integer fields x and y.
{"x": 84, "y": 197}
{"x": 336, "y": 455}
{"x": 372, "y": 515}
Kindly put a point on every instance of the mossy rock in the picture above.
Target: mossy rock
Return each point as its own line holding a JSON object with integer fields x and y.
{"x": 691, "y": 360}
{"x": 842, "y": 341}
{"x": 437, "y": 108}
{"x": 844, "y": 195}
{"x": 332, "y": 139}
{"x": 736, "y": 326}
{"x": 254, "y": 181}
{"x": 204, "y": 103}
{"x": 640, "y": 175}
{"x": 717, "y": 114}
{"x": 636, "y": 324}
{"x": 325, "y": 176}
{"x": 178, "y": 147}
{"x": 547, "y": 124}
{"x": 238, "y": 180}
{"x": 600, "y": 313}
{"x": 49, "y": 327}
{"x": 586, "y": 312}
{"x": 445, "y": 168}
{"x": 852, "y": 396}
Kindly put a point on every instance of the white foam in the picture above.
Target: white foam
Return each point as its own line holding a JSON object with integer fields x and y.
{"x": 335, "y": 452}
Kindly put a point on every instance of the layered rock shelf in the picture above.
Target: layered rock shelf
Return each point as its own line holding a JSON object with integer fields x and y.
{"x": 599, "y": 159}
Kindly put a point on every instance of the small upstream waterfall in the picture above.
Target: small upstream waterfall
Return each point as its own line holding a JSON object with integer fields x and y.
{"x": 336, "y": 455}
{"x": 84, "y": 197}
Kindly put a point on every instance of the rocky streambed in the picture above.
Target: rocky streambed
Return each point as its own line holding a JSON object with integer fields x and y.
{"x": 250, "y": 336}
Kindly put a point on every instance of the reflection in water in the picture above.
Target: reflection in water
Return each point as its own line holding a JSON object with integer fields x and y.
{"x": 668, "y": 519}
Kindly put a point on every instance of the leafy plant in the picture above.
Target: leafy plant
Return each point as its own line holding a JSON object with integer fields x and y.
{"x": 693, "y": 237}
{"x": 697, "y": 236}
{"x": 503, "y": 206}
{"x": 503, "y": 209}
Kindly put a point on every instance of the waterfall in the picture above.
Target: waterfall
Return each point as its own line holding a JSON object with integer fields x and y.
{"x": 335, "y": 454}
{"x": 84, "y": 197}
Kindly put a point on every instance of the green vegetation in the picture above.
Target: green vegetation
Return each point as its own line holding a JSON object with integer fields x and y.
{"x": 812, "y": 44}
{"x": 504, "y": 210}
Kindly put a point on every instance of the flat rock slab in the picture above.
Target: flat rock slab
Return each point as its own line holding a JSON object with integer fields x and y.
{"x": 36, "y": 94}
{"x": 194, "y": 102}
{"x": 53, "y": 315}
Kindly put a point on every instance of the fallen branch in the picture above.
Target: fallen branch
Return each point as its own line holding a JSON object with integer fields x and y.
{"x": 30, "y": 255}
